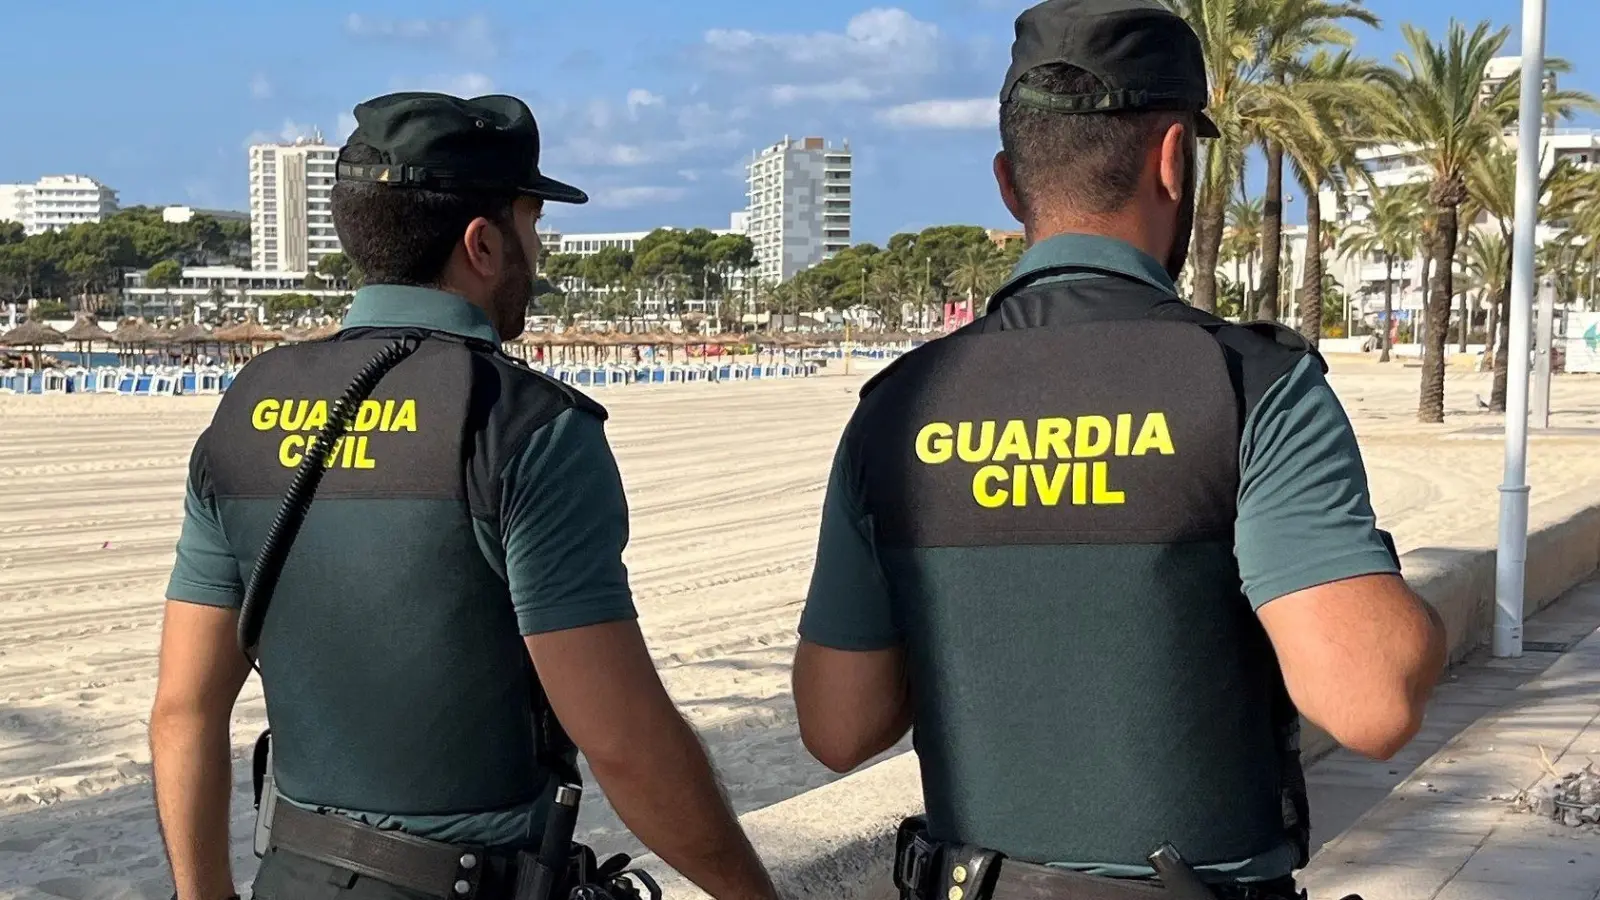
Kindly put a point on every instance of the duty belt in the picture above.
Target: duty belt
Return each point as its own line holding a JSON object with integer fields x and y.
{"x": 925, "y": 869}
{"x": 393, "y": 857}
{"x": 434, "y": 869}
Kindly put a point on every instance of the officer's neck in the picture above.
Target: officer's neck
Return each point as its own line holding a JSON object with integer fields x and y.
{"x": 1126, "y": 227}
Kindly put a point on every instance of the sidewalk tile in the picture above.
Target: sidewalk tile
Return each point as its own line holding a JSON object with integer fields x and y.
{"x": 1536, "y": 865}
{"x": 1460, "y": 889}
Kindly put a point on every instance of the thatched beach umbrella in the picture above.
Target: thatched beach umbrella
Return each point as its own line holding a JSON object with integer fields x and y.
{"x": 32, "y": 334}
{"x": 314, "y": 333}
{"x": 133, "y": 333}
{"x": 251, "y": 332}
{"x": 86, "y": 332}
{"x": 189, "y": 336}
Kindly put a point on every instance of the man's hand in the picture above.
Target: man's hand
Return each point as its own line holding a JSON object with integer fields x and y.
{"x": 1360, "y": 657}
{"x": 604, "y": 688}
{"x": 201, "y": 673}
{"x": 852, "y": 705}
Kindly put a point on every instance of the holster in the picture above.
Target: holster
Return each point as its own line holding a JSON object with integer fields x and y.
{"x": 925, "y": 868}
{"x": 585, "y": 878}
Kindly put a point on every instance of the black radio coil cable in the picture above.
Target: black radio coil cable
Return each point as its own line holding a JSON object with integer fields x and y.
{"x": 280, "y": 537}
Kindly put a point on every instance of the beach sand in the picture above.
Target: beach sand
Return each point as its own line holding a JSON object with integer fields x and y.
{"x": 725, "y": 483}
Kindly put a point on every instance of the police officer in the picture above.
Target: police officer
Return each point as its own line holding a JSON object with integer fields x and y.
{"x": 469, "y": 520}
{"x": 1097, "y": 547}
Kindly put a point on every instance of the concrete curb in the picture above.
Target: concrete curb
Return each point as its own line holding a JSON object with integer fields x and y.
{"x": 836, "y": 841}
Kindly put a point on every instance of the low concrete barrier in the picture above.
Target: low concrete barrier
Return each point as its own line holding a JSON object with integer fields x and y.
{"x": 836, "y": 841}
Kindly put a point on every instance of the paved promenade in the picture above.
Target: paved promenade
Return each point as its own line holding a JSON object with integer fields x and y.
{"x": 1433, "y": 823}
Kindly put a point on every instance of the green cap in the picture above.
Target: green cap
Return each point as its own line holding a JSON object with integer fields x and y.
{"x": 1145, "y": 56}
{"x": 445, "y": 143}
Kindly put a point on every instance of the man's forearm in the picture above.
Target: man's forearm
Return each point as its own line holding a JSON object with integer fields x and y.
{"x": 194, "y": 778}
{"x": 668, "y": 796}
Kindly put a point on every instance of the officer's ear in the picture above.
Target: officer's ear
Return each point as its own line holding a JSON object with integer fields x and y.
{"x": 1174, "y": 160}
{"x": 484, "y": 243}
{"x": 1006, "y": 177}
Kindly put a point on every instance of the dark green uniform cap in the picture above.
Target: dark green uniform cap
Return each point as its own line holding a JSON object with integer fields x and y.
{"x": 1145, "y": 55}
{"x": 445, "y": 143}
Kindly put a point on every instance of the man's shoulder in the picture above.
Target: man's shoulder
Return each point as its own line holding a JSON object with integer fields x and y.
{"x": 1260, "y": 354}
{"x": 527, "y": 389}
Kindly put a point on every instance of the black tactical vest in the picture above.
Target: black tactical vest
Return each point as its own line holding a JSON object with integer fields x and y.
{"x": 395, "y": 677}
{"x": 1084, "y": 435}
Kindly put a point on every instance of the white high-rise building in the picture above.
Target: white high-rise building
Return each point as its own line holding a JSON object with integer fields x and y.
{"x": 55, "y": 202}
{"x": 799, "y": 205}
{"x": 291, "y": 205}
{"x": 1393, "y": 165}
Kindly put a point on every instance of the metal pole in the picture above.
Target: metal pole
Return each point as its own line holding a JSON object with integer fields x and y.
{"x": 1543, "y": 362}
{"x": 1511, "y": 559}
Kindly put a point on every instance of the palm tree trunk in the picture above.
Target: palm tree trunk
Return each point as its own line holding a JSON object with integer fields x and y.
{"x": 1427, "y": 282}
{"x": 1430, "y": 405}
{"x": 1502, "y": 358}
{"x": 1207, "y": 245}
{"x": 1271, "y": 236}
{"x": 1388, "y": 307}
{"x": 1252, "y": 294}
{"x": 1491, "y": 333}
{"x": 1311, "y": 284}
{"x": 1466, "y": 321}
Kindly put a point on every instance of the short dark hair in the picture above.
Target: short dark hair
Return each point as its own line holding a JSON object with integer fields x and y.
{"x": 406, "y": 235}
{"x": 1090, "y": 161}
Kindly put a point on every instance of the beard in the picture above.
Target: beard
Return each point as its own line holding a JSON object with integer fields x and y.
{"x": 1184, "y": 228}
{"x": 513, "y": 293}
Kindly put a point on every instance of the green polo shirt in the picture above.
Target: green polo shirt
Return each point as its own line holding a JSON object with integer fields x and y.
{"x": 1304, "y": 513}
{"x": 559, "y": 541}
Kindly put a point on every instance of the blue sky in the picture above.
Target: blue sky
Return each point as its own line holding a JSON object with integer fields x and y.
{"x": 651, "y": 106}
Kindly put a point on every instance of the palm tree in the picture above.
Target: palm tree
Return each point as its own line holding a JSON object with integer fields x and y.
{"x": 888, "y": 288}
{"x": 1487, "y": 264}
{"x": 1491, "y": 192}
{"x": 1247, "y": 107}
{"x": 1434, "y": 102}
{"x": 978, "y": 273}
{"x": 809, "y": 297}
{"x": 1338, "y": 84}
{"x": 1241, "y": 242}
{"x": 1293, "y": 28}
{"x": 1389, "y": 231}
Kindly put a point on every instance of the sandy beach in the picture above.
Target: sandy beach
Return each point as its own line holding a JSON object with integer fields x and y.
{"x": 725, "y": 483}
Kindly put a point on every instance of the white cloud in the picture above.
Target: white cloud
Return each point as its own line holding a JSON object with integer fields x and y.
{"x": 473, "y": 35}
{"x": 848, "y": 89}
{"x": 639, "y": 98}
{"x": 608, "y": 134}
{"x": 630, "y": 197}
{"x": 260, "y": 87}
{"x": 944, "y": 114}
{"x": 288, "y": 134}
{"x": 880, "y": 41}
{"x": 597, "y": 114}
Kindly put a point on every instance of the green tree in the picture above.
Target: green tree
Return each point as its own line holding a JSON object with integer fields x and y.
{"x": 337, "y": 267}
{"x": 1491, "y": 183}
{"x": 1433, "y": 100}
{"x": 1248, "y": 107}
{"x": 1336, "y": 85}
{"x": 977, "y": 274}
{"x": 1390, "y": 232}
{"x": 1241, "y": 244}
{"x": 1292, "y": 30}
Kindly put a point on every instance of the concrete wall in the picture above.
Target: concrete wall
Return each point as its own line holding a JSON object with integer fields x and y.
{"x": 836, "y": 841}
